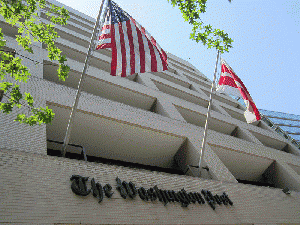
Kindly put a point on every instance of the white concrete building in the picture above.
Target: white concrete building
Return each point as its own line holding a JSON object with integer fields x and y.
{"x": 147, "y": 129}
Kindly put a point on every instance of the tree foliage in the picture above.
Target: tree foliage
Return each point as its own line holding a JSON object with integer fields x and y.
{"x": 24, "y": 16}
{"x": 209, "y": 36}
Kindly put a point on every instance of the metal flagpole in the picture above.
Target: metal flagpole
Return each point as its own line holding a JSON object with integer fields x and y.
{"x": 207, "y": 117}
{"x": 80, "y": 84}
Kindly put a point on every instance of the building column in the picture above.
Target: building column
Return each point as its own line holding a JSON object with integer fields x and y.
{"x": 196, "y": 87}
{"x": 216, "y": 167}
{"x": 286, "y": 177}
{"x": 218, "y": 108}
{"x": 145, "y": 79}
{"x": 166, "y": 108}
{"x": 188, "y": 159}
{"x": 248, "y": 136}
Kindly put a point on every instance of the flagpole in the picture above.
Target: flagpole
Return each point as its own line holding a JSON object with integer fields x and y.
{"x": 80, "y": 84}
{"x": 207, "y": 117}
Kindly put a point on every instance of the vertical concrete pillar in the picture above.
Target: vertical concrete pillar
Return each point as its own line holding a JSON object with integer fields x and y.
{"x": 196, "y": 87}
{"x": 216, "y": 167}
{"x": 144, "y": 78}
{"x": 285, "y": 176}
{"x": 247, "y": 135}
{"x": 188, "y": 158}
{"x": 218, "y": 108}
{"x": 166, "y": 108}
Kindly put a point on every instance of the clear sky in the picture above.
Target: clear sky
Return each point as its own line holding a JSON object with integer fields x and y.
{"x": 266, "y": 49}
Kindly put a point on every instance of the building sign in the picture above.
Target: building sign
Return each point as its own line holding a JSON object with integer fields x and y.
{"x": 79, "y": 187}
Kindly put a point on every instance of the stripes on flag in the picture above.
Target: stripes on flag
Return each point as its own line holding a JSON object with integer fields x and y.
{"x": 134, "y": 50}
{"x": 230, "y": 83}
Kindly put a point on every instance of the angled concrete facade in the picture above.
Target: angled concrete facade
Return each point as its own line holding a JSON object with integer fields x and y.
{"x": 148, "y": 129}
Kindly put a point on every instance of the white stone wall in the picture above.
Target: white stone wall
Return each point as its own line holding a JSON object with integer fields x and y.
{"x": 36, "y": 189}
{"x": 16, "y": 136}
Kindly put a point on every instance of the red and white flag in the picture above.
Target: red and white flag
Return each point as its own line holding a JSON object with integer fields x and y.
{"x": 134, "y": 50}
{"x": 230, "y": 83}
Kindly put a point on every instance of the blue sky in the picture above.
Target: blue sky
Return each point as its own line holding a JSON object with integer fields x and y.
{"x": 265, "y": 53}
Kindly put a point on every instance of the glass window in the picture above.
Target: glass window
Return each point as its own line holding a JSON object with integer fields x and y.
{"x": 296, "y": 137}
{"x": 291, "y": 129}
{"x": 280, "y": 114}
{"x": 285, "y": 122}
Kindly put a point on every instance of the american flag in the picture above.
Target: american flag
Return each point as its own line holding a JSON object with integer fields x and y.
{"x": 230, "y": 83}
{"x": 134, "y": 50}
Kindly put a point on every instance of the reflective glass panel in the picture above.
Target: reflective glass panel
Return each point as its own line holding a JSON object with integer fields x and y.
{"x": 280, "y": 114}
{"x": 285, "y": 122}
{"x": 291, "y": 129}
{"x": 296, "y": 137}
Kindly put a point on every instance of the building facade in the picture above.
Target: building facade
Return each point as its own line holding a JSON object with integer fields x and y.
{"x": 142, "y": 138}
{"x": 285, "y": 124}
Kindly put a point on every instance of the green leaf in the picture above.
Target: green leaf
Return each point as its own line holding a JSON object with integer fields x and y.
{"x": 63, "y": 71}
{"x": 5, "y": 86}
{"x": 62, "y": 59}
{"x": 29, "y": 99}
{"x": 209, "y": 36}
{"x": 23, "y": 14}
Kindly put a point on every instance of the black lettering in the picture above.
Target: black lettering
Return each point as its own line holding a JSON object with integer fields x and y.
{"x": 174, "y": 196}
{"x": 182, "y": 198}
{"x": 152, "y": 194}
{"x": 107, "y": 188}
{"x": 199, "y": 198}
{"x": 192, "y": 197}
{"x": 158, "y": 193}
{"x": 97, "y": 190}
{"x": 128, "y": 189}
{"x": 165, "y": 198}
{"x": 207, "y": 195}
{"x": 78, "y": 185}
{"x": 186, "y": 195}
{"x": 161, "y": 195}
{"x": 133, "y": 188}
{"x": 143, "y": 193}
{"x": 211, "y": 197}
{"x": 223, "y": 199}
{"x": 218, "y": 200}
{"x": 170, "y": 197}
{"x": 211, "y": 204}
{"x": 227, "y": 198}
{"x": 121, "y": 188}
